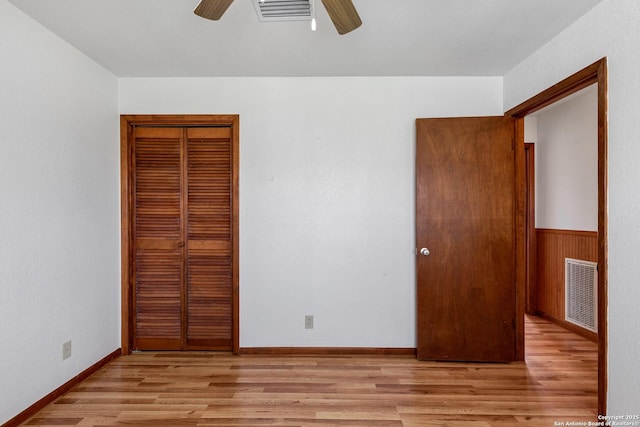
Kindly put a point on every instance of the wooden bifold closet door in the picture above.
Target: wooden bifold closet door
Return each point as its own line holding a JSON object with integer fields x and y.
{"x": 182, "y": 238}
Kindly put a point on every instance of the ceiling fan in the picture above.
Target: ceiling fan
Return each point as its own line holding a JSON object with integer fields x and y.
{"x": 342, "y": 12}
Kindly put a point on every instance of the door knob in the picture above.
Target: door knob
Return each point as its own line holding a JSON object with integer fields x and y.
{"x": 425, "y": 252}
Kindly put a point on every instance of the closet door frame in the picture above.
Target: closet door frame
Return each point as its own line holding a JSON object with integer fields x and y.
{"x": 127, "y": 123}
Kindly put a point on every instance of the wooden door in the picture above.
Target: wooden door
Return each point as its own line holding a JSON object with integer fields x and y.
{"x": 158, "y": 240}
{"x": 182, "y": 238}
{"x": 465, "y": 169}
{"x": 209, "y": 238}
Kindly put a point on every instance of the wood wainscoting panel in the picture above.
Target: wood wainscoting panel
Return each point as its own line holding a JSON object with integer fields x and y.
{"x": 552, "y": 247}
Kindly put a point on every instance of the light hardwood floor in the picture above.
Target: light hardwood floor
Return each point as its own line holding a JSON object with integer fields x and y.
{"x": 558, "y": 383}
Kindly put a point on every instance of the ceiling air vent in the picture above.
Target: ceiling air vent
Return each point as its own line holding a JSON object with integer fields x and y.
{"x": 283, "y": 10}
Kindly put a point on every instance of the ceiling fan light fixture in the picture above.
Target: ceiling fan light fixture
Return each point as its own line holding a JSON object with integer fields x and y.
{"x": 343, "y": 13}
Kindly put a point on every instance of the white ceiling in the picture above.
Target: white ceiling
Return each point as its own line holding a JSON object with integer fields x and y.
{"x": 145, "y": 38}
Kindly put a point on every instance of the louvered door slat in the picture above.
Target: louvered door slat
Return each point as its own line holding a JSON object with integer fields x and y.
{"x": 209, "y": 225}
{"x": 158, "y": 232}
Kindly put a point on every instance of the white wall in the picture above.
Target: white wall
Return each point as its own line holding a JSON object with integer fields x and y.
{"x": 531, "y": 129}
{"x": 611, "y": 29}
{"x": 567, "y": 163}
{"x": 326, "y": 195}
{"x": 59, "y": 212}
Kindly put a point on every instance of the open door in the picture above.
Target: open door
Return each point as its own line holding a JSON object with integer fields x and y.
{"x": 466, "y": 224}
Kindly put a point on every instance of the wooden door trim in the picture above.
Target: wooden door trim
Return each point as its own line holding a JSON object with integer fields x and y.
{"x": 520, "y": 241}
{"x": 127, "y": 123}
{"x": 594, "y": 73}
{"x": 530, "y": 238}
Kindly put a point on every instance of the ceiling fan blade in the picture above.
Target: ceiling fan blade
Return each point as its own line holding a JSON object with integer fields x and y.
{"x": 212, "y": 9}
{"x": 343, "y": 14}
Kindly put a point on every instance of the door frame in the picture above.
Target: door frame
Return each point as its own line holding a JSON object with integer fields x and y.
{"x": 531, "y": 288}
{"x": 127, "y": 124}
{"x": 595, "y": 73}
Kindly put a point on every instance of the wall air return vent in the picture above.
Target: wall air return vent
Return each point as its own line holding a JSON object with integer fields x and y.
{"x": 283, "y": 10}
{"x": 581, "y": 293}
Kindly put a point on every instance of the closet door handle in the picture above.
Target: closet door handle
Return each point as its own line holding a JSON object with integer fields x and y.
{"x": 425, "y": 252}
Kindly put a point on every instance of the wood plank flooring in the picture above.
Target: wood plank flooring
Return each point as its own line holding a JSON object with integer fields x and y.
{"x": 558, "y": 383}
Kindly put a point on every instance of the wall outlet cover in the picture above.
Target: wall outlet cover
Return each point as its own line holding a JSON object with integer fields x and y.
{"x": 66, "y": 350}
{"x": 308, "y": 322}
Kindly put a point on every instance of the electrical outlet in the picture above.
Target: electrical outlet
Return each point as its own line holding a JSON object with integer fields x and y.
{"x": 308, "y": 321}
{"x": 66, "y": 350}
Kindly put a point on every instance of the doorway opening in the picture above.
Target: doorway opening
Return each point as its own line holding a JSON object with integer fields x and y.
{"x": 596, "y": 74}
